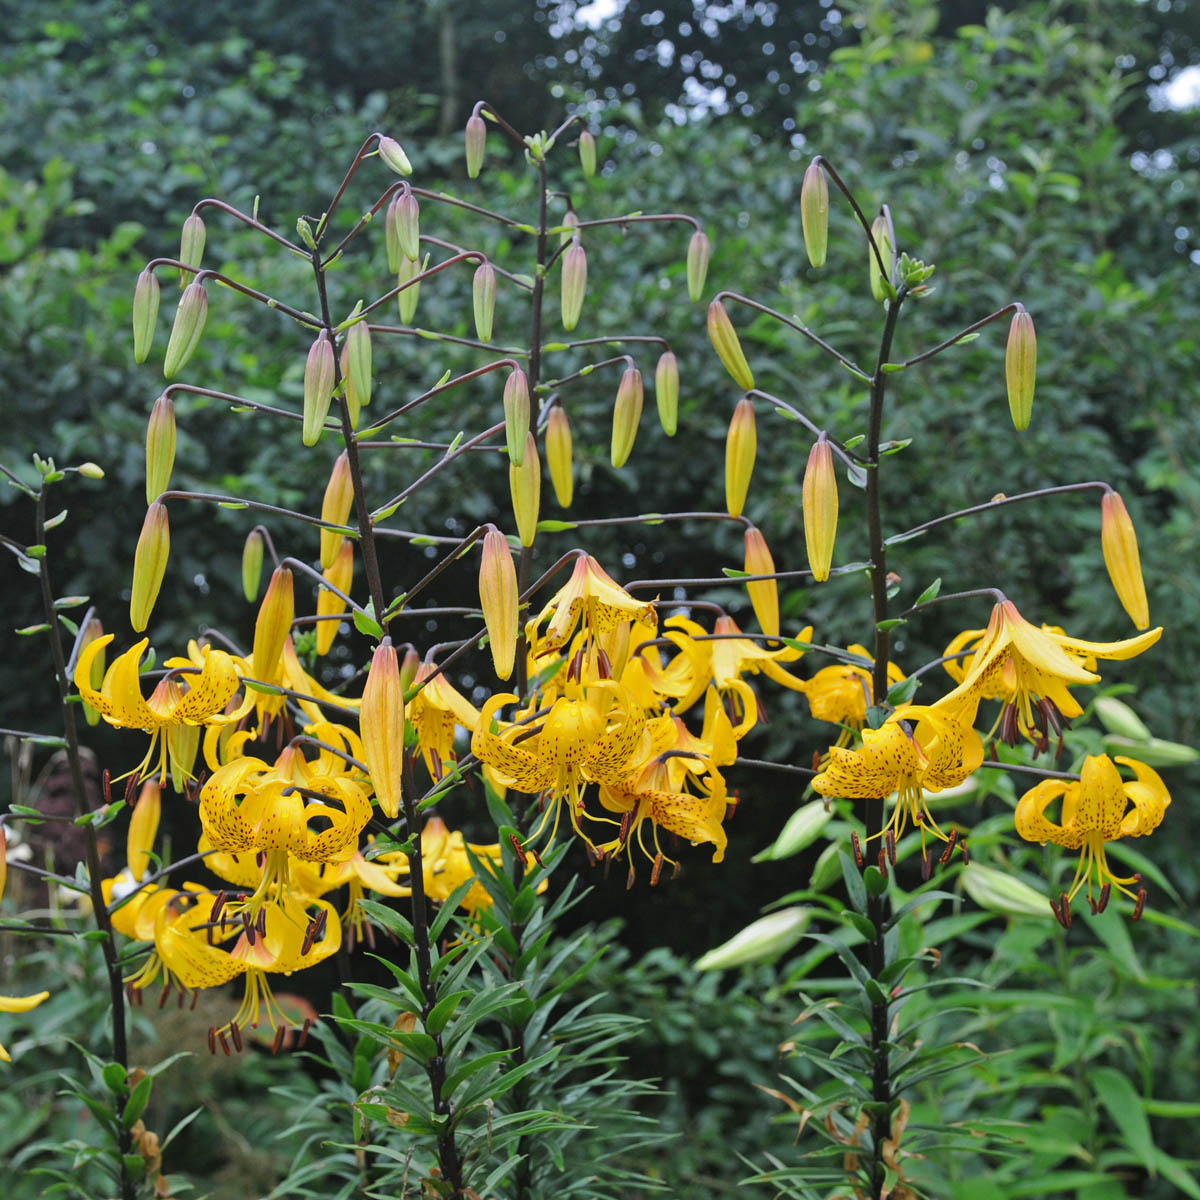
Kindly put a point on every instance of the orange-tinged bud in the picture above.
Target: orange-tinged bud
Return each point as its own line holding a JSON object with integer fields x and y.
{"x": 149, "y": 565}
{"x": 407, "y": 297}
{"x": 498, "y": 598}
{"x": 574, "y": 284}
{"x": 252, "y": 561}
{"x": 558, "y": 457}
{"x": 191, "y": 246}
{"x": 587, "y": 160}
{"x": 525, "y": 484}
{"x": 666, "y": 392}
{"x": 329, "y": 604}
{"x": 190, "y": 317}
{"x": 571, "y": 221}
{"x": 483, "y": 300}
{"x": 273, "y": 625}
{"x": 820, "y": 499}
{"x": 883, "y": 239}
{"x": 764, "y": 593}
{"x": 393, "y": 154}
{"x": 741, "y": 446}
{"x": 627, "y": 412}
{"x": 381, "y": 723}
{"x": 1020, "y": 368}
{"x": 335, "y": 507}
{"x": 476, "y": 143}
{"x": 410, "y": 664}
{"x": 160, "y": 448}
{"x": 358, "y": 361}
{"x": 516, "y": 415}
{"x": 1119, "y": 542}
{"x": 146, "y": 296}
{"x": 408, "y": 225}
{"x": 318, "y": 388}
{"x": 699, "y": 252}
{"x": 391, "y": 234}
{"x": 91, "y": 632}
{"x": 814, "y": 213}
{"x": 143, "y": 827}
{"x": 729, "y": 350}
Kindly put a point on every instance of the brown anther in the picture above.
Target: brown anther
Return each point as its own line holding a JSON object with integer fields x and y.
{"x": 435, "y": 760}
{"x": 575, "y": 670}
{"x": 261, "y": 923}
{"x": 656, "y": 870}
{"x": 1009, "y": 733}
{"x": 537, "y": 858}
{"x": 1139, "y": 907}
{"x": 162, "y": 996}
{"x": 260, "y": 859}
{"x": 1064, "y": 904}
{"x": 236, "y": 1034}
{"x": 309, "y": 934}
{"x": 106, "y": 783}
{"x": 731, "y": 803}
{"x": 675, "y": 869}
{"x": 883, "y": 863}
{"x": 518, "y": 849}
{"x": 603, "y": 665}
{"x": 224, "y": 1043}
{"x": 949, "y": 850}
{"x": 926, "y": 867}
{"x": 966, "y": 854}
{"x": 308, "y": 1024}
{"x": 1094, "y": 906}
{"x": 631, "y": 876}
{"x": 858, "y": 854}
{"x": 195, "y": 997}
{"x": 816, "y": 760}
{"x": 278, "y": 1039}
{"x": 369, "y": 931}
{"x": 890, "y": 843}
{"x": 593, "y": 855}
{"x": 179, "y": 998}
{"x": 626, "y": 825}
{"x": 322, "y": 921}
{"x": 218, "y": 905}
{"x": 212, "y": 1040}
{"x": 131, "y": 789}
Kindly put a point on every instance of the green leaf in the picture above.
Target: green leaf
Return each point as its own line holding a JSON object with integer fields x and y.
{"x": 366, "y": 625}
{"x": 138, "y": 1099}
{"x": 930, "y": 592}
{"x": 554, "y": 526}
{"x": 889, "y": 624}
{"x": 443, "y": 1010}
{"x": 892, "y": 368}
{"x": 854, "y": 882}
{"x": 114, "y": 1074}
{"x": 903, "y": 692}
{"x": 1124, "y": 1105}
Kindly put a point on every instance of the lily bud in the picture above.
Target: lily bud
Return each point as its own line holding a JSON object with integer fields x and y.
{"x": 476, "y": 143}
{"x": 699, "y": 251}
{"x": 814, "y": 213}
{"x": 498, "y": 598}
{"x": 143, "y": 827}
{"x": 1020, "y": 368}
{"x": 3, "y": 859}
{"x": 160, "y": 448}
{"x": 252, "y": 561}
{"x": 764, "y": 593}
{"x": 410, "y": 664}
{"x": 392, "y": 154}
{"x": 146, "y": 296}
{"x": 571, "y": 221}
{"x": 149, "y": 565}
{"x": 587, "y": 158}
{"x": 729, "y": 350}
{"x": 318, "y": 388}
{"x": 820, "y": 499}
{"x": 666, "y": 392}
{"x": 191, "y": 246}
{"x": 183, "y": 744}
{"x": 381, "y": 724}
{"x": 574, "y": 284}
{"x": 349, "y": 390}
{"x": 483, "y": 298}
{"x": 391, "y": 234}
{"x": 558, "y": 457}
{"x": 90, "y": 470}
{"x": 407, "y": 298}
{"x": 1119, "y": 542}
{"x": 335, "y": 507}
{"x": 627, "y": 412}
{"x": 92, "y": 631}
{"x": 525, "y": 485}
{"x": 741, "y": 446}
{"x": 883, "y": 239}
{"x": 190, "y": 317}
{"x": 408, "y": 225}
{"x": 761, "y": 940}
{"x": 273, "y": 625}
{"x": 516, "y": 415}
{"x": 358, "y": 361}
{"x": 329, "y": 604}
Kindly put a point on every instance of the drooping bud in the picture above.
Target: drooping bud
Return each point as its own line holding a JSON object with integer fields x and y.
{"x": 273, "y": 625}
{"x": 476, "y": 143}
{"x": 190, "y": 317}
{"x": 587, "y": 156}
{"x": 558, "y": 456}
{"x": 408, "y": 225}
{"x": 392, "y": 153}
{"x": 149, "y": 565}
{"x": 146, "y": 296}
{"x": 498, "y": 598}
{"x": 3, "y": 859}
{"x": 391, "y": 234}
{"x": 699, "y": 252}
{"x": 483, "y": 299}
{"x": 252, "y": 561}
{"x": 525, "y": 485}
{"x": 516, "y": 415}
{"x": 92, "y": 631}
{"x": 882, "y": 234}
{"x": 1119, "y": 542}
{"x": 318, "y": 388}
{"x": 381, "y": 723}
{"x": 191, "y": 247}
{"x": 143, "y": 827}
{"x": 407, "y": 297}
{"x": 666, "y": 392}
{"x": 160, "y": 448}
{"x": 571, "y": 221}
{"x": 814, "y": 213}
{"x": 410, "y": 664}
{"x": 741, "y": 446}
{"x": 574, "y": 284}
{"x": 329, "y": 604}
{"x": 627, "y": 412}
{"x": 90, "y": 470}
{"x": 349, "y": 390}
{"x": 358, "y": 362}
{"x": 729, "y": 350}
{"x": 764, "y": 593}
{"x": 820, "y": 500}
{"x": 335, "y": 507}
{"x": 1020, "y": 368}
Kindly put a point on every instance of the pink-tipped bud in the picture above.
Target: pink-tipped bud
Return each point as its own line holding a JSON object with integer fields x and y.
{"x": 381, "y": 723}
{"x": 1020, "y": 368}
{"x": 391, "y": 234}
{"x": 407, "y": 297}
{"x": 627, "y": 412}
{"x": 391, "y": 152}
{"x": 820, "y": 500}
{"x": 190, "y": 317}
{"x": 340, "y": 573}
{"x": 408, "y": 225}
{"x": 335, "y": 507}
{"x": 516, "y": 415}
{"x": 252, "y": 562}
{"x": 273, "y": 626}
{"x": 191, "y": 247}
{"x": 559, "y": 456}
{"x": 741, "y": 447}
{"x": 498, "y": 598}
{"x": 814, "y": 213}
{"x": 525, "y": 486}
{"x": 149, "y": 565}
{"x": 143, "y": 828}
{"x": 92, "y": 632}
{"x": 666, "y": 392}
{"x": 318, "y": 388}
{"x": 358, "y": 362}
{"x": 729, "y": 350}
{"x": 571, "y": 230}
{"x": 160, "y": 448}
{"x": 587, "y": 154}
{"x": 475, "y": 144}
{"x": 483, "y": 300}
{"x": 1119, "y": 542}
{"x": 574, "y": 284}
{"x": 699, "y": 252}
{"x": 764, "y": 593}
{"x": 882, "y": 233}
{"x": 146, "y": 296}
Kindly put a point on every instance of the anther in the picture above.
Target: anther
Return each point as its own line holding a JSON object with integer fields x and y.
{"x": 218, "y": 905}
{"x": 656, "y": 870}
{"x": 966, "y": 854}
{"x": 162, "y": 996}
{"x": 436, "y": 760}
{"x": 310, "y": 934}
{"x": 883, "y": 863}
{"x": 278, "y": 1040}
{"x": 626, "y": 825}
{"x": 1008, "y": 725}
{"x": 179, "y": 998}
{"x": 926, "y": 867}
{"x": 195, "y": 997}
{"x": 816, "y": 760}
{"x": 1058, "y": 913}
{"x": 212, "y": 1040}
{"x": 630, "y": 877}
{"x": 949, "y": 850}
{"x": 261, "y": 923}
{"x": 1140, "y": 905}
{"x": 675, "y": 869}
{"x": 308, "y": 1024}
{"x": 518, "y": 849}
{"x": 890, "y": 843}
{"x": 1064, "y": 903}
{"x": 224, "y": 1043}
{"x": 537, "y": 858}
{"x": 603, "y": 665}
{"x": 858, "y": 854}
{"x": 575, "y": 670}
{"x": 236, "y": 1034}
{"x": 106, "y": 779}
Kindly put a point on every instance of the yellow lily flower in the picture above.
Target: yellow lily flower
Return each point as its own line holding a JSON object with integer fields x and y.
{"x": 842, "y": 693}
{"x": 19, "y": 1004}
{"x": 590, "y": 595}
{"x": 436, "y": 711}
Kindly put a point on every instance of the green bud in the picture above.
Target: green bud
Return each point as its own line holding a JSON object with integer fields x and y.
{"x": 571, "y": 221}
{"x": 516, "y": 415}
{"x": 1117, "y": 717}
{"x": 803, "y": 828}
{"x": 814, "y": 213}
{"x": 190, "y": 317}
{"x": 358, "y": 362}
{"x": 574, "y": 284}
{"x": 91, "y": 470}
{"x": 160, "y": 448}
{"x": 483, "y": 300}
{"x": 408, "y": 225}
{"x": 318, "y": 388}
{"x": 252, "y": 561}
{"x": 391, "y": 234}
{"x": 149, "y": 565}
{"x": 407, "y": 297}
{"x": 191, "y": 246}
{"x": 476, "y": 143}
{"x": 766, "y": 938}
{"x": 883, "y": 239}
{"x": 392, "y": 154}
{"x": 146, "y": 296}
{"x": 699, "y": 252}
{"x": 587, "y": 153}
{"x": 627, "y": 412}
{"x": 1020, "y": 368}
{"x": 729, "y": 349}
{"x": 1001, "y": 892}
{"x": 666, "y": 392}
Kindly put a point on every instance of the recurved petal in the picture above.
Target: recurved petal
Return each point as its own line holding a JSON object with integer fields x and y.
{"x": 1033, "y": 824}
{"x": 1149, "y": 797}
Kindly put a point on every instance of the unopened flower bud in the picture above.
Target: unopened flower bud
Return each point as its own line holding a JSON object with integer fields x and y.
{"x": 882, "y": 234}
{"x": 191, "y": 246}
{"x": 410, "y": 664}
{"x": 476, "y": 142}
{"x": 185, "y": 332}
{"x": 1119, "y": 542}
{"x": 627, "y": 412}
{"x": 762, "y": 940}
{"x": 408, "y": 225}
{"x": 729, "y": 350}
{"x": 741, "y": 446}
{"x": 358, "y": 361}
{"x": 525, "y": 485}
{"x": 571, "y": 221}
{"x": 516, "y": 415}
{"x": 349, "y": 390}
{"x": 574, "y": 285}
{"x": 318, "y": 388}
{"x": 340, "y": 573}
{"x": 335, "y": 507}
{"x": 764, "y": 593}
{"x": 483, "y": 300}
{"x": 1020, "y": 368}
{"x": 407, "y": 296}
{"x": 273, "y": 626}
{"x": 391, "y": 234}
{"x": 392, "y": 153}
{"x": 160, "y": 448}
{"x": 558, "y": 457}
{"x": 820, "y": 499}
{"x": 146, "y": 296}
{"x": 666, "y": 392}
{"x": 699, "y": 251}
{"x": 814, "y": 213}
{"x": 381, "y": 724}
{"x": 143, "y": 828}
{"x": 587, "y": 155}
{"x": 91, "y": 632}
{"x": 4, "y": 859}
{"x": 149, "y": 565}
{"x": 252, "y": 561}
{"x": 90, "y": 470}
{"x": 498, "y": 598}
